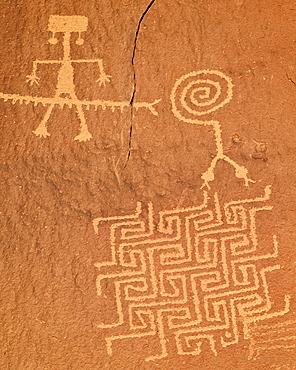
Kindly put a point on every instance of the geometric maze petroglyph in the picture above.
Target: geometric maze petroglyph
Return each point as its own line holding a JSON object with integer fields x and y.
{"x": 190, "y": 279}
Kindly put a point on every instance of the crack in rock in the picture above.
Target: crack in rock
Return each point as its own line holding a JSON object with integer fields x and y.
{"x": 290, "y": 79}
{"x": 135, "y": 80}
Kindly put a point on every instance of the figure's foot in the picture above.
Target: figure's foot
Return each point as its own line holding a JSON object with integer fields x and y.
{"x": 207, "y": 177}
{"x": 83, "y": 136}
{"x": 41, "y": 131}
{"x": 240, "y": 171}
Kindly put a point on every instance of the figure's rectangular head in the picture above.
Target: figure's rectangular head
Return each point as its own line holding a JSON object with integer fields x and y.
{"x": 65, "y": 23}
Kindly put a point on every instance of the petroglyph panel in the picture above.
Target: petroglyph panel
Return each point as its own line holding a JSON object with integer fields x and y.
{"x": 198, "y": 275}
{"x": 180, "y": 278}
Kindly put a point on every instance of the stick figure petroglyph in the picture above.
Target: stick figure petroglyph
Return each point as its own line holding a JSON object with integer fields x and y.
{"x": 199, "y": 93}
{"x": 65, "y": 86}
{"x": 65, "y": 90}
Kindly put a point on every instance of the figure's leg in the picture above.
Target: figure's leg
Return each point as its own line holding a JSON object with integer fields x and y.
{"x": 209, "y": 174}
{"x": 240, "y": 171}
{"x": 41, "y": 130}
{"x": 84, "y": 134}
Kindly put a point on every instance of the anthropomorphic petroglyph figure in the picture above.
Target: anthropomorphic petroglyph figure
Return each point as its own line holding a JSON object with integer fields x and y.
{"x": 199, "y": 93}
{"x": 65, "y": 87}
{"x": 65, "y": 90}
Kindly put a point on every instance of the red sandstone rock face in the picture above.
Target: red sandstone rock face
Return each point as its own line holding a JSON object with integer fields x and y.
{"x": 163, "y": 236}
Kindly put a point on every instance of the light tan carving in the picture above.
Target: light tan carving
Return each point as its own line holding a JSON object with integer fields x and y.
{"x": 268, "y": 337}
{"x": 65, "y": 91}
{"x": 200, "y": 93}
{"x": 197, "y": 274}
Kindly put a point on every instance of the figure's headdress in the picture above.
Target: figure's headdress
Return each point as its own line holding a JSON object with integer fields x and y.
{"x": 64, "y": 23}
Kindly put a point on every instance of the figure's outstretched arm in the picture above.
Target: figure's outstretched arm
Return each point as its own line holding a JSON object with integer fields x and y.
{"x": 32, "y": 78}
{"x": 103, "y": 76}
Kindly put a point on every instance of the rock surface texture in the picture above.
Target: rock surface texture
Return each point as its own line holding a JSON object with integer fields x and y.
{"x": 148, "y": 184}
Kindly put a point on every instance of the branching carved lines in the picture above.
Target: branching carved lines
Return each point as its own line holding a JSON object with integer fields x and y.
{"x": 200, "y": 93}
{"x": 198, "y": 275}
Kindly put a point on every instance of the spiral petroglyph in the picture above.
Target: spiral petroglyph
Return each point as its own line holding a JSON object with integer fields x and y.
{"x": 198, "y": 93}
